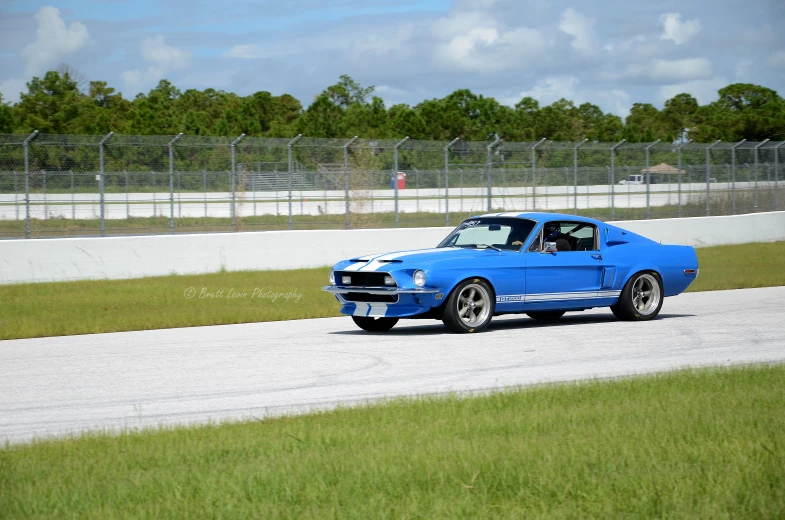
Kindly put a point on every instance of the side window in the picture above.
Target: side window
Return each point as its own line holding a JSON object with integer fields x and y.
{"x": 577, "y": 235}
{"x": 586, "y": 239}
{"x": 582, "y": 237}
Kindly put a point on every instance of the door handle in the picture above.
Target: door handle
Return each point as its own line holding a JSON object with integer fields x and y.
{"x": 597, "y": 257}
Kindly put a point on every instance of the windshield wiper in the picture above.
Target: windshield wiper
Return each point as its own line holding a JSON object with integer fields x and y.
{"x": 487, "y": 246}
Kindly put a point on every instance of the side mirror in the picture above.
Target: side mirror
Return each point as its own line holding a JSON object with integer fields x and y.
{"x": 549, "y": 247}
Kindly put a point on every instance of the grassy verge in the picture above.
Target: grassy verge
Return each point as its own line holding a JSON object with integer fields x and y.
{"x": 690, "y": 444}
{"x": 56, "y": 309}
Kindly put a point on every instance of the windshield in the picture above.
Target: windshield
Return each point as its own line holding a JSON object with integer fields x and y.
{"x": 490, "y": 232}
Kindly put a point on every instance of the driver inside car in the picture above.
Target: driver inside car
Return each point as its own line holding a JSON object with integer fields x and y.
{"x": 552, "y": 233}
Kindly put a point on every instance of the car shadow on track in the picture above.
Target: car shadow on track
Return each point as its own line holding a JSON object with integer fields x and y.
{"x": 522, "y": 323}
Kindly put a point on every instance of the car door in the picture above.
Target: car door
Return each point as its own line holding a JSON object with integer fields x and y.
{"x": 565, "y": 279}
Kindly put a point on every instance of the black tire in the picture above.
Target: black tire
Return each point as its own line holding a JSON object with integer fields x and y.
{"x": 641, "y": 298}
{"x": 545, "y": 315}
{"x": 372, "y": 324}
{"x": 460, "y": 309}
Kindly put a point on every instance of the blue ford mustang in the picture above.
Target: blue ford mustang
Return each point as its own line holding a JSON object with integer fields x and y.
{"x": 541, "y": 264}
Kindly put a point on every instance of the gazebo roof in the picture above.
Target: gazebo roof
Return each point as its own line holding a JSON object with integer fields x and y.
{"x": 664, "y": 168}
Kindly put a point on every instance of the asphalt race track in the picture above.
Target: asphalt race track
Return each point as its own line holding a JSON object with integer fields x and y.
{"x": 55, "y": 386}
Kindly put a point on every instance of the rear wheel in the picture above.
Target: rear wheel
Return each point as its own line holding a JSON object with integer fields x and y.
{"x": 641, "y": 298}
{"x": 372, "y": 324}
{"x": 545, "y": 315}
{"x": 469, "y": 307}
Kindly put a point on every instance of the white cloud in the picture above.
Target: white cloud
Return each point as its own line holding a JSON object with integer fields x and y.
{"x": 162, "y": 59}
{"x": 378, "y": 43}
{"x": 247, "y": 51}
{"x": 581, "y": 28}
{"x": 548, "y": 90}
{"x": 11, "y": 89}
{"x": 615, "y": 101}
{"x": 155, "y": 51}
{"x": 743, "y": 69}
{"x": 689, "y": 68}
{"x": 54, "y": 41}
{"x": 671, "y": 70}
{"x": 677, "y": 31}
{"x": 777, "y": 59}
{"x": 705, "y": 91}
{"x": 473, "y": 41}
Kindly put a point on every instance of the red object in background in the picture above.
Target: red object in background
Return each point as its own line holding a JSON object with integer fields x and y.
{"x": 401, "y": 179}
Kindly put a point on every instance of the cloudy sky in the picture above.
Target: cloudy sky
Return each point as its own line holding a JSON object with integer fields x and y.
{"x": 608, "y": 52}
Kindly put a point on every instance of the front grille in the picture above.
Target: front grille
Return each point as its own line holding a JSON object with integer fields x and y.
{"x": 361, "y": 279}
{"x": 371, "y": 298}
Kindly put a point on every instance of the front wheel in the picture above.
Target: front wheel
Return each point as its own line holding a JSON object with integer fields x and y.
{"x": 372, "y": 324}
{"x": 469, "y": 307}
{"x": 641, "y": 298}
{"x": 545, "y": 315}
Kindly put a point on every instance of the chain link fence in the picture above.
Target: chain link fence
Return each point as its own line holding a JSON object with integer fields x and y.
{"x": 66, "y": 185}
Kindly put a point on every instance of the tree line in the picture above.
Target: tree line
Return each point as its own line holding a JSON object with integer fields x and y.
{"x": 61, "y": 102}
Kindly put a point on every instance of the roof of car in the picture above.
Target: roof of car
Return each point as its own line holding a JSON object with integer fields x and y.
{"x": 539, "y": 216}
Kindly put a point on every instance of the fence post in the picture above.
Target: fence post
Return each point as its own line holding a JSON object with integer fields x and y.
{"x": 171, "y": 181}
{"x": 346, "y": 177}
{"x": 73, "y": 201}
{"x": 16, "y": 193}
{"x": 26, "y": 145}
{"x": 46, "y": 209}
{"x": 447, "y": 181}
{"x": 101, "y": 185}
{"x": 613, "y": 177}
{"x": 733, "y": 174}
{"x": 575, "y": 173}
{"x": 678, "y": 176}
{"x": 155, "y": 193}
{"x": 291, "y": 171}
{"x": 776, "y": 176}
{"x": 534, "y": 172}
{"x": 489, "y": 166}
{"x": 756, "y": 172}
{"x": 234, "y": 180}
{"x": 395, "y": 175}
{"x": 708, "y": 175}
{"x": 648, "y": 179}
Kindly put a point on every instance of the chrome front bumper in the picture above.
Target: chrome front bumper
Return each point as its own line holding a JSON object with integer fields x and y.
{"x": 390, "y": 291}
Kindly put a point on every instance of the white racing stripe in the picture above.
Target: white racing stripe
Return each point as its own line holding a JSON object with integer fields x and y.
{"x": 551, "y": 297}
{"x": 354, "y": 267}
{"x": 363, "y": 260}
{"x": 377, "y": 309}
{"x": 361, "y": 309}
{"x": 379, "y": 261}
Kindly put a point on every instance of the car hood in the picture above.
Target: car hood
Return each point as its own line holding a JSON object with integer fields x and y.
{"x": 416, "y": 257}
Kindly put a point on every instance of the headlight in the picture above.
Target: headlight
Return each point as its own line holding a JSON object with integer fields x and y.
{"x": 419, "y": 278}
{"x": 331, "y": 277}
{"x": 389, "y": 280}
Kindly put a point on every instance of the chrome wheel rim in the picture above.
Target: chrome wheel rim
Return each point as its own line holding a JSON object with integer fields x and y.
{"x": 473, "y": 305}
{"x": 646, "y": 294}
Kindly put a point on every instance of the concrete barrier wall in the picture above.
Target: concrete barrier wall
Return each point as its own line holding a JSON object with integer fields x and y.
{"x": 60, "y": 259}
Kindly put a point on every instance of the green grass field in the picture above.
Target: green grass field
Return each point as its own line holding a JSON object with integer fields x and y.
{"x": 689, "y": 444}
{"x": 55, "y": 309}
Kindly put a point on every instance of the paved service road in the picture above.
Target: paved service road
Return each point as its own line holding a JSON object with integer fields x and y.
{"x": 53, "y": 386}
